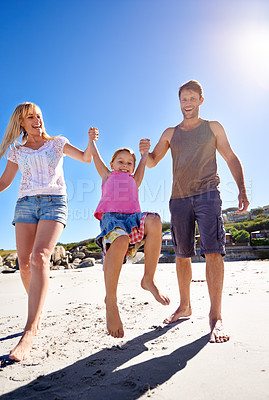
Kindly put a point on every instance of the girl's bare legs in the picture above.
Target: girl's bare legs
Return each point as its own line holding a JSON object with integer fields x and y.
{"x": 45, "y": 238}
{"x": 152, "y": 249}
{"x": 112, "y": 267}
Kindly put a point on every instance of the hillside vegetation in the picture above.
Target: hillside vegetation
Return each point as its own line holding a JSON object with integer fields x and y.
{"x": 241, "y": 230}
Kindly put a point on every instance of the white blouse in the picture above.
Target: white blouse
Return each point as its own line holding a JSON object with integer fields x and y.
{"x": 42, "y": 169}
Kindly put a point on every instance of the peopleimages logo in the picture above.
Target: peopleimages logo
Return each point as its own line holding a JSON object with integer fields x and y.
{"x": 84, "y": 195}
{"x": 229, "y": 192}
{"x": 80, "y": 190}
{"x": 87, "y": 214}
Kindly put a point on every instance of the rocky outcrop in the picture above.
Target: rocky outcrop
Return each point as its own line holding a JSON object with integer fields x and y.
{"x": 8, "y": 264}
{"x": 58, "y": 255}
{"x": 78, "y": 257}
{"x": 87, "y": 262}
{"x": 11, "y": 257}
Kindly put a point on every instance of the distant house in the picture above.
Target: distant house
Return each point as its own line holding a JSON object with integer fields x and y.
{"x": 228, "y": 239}
{"x": 254, "y": 212}
{"x": 238, "y": 217}
{"x": 167, "y": 243}
{"x": 167, "y": 239}
{"x": 266, "y": 210}
{"x": 262, "y": 234}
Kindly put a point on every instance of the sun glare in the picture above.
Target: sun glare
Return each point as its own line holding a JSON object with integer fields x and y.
{"x": 252, "y": 47}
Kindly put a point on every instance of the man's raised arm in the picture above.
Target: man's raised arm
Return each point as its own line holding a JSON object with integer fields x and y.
{"x": 160, "y": 149}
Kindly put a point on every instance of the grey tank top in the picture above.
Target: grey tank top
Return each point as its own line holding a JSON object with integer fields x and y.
{"x": 194, "y": 161}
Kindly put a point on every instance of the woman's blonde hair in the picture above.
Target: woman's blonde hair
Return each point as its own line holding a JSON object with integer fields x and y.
{"x": 14, "y": 128}
{"x": 123, "y": 149}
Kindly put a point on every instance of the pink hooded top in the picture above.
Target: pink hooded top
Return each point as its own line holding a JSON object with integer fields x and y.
{"x": 119, "y": 194}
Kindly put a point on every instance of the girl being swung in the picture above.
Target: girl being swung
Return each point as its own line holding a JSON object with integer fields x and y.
{"x": 123, "y": 225}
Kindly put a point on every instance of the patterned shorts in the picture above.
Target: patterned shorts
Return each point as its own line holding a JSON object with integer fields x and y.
{"x": 114, "y": 225}
{"x": 136, "y": 238}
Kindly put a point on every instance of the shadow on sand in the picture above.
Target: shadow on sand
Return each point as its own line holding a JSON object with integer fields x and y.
{"x": 97, "y": 377}
{"x": 11, "y": 336}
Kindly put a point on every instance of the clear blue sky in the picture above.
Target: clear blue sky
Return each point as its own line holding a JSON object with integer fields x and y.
{"x": 117, "y": 65}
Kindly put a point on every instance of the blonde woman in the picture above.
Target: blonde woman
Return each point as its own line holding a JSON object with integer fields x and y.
{"x": 41, "y": 208}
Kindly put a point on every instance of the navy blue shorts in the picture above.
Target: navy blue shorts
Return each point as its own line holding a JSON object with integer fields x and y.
{"x": 206, "y": 210}
{"x": 31, "y": 209}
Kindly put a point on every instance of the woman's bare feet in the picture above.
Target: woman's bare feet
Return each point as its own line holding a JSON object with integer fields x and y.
{"x": 181, "y": 312}
{"x": 113, "y": 321}
{"x": 150, "y": 285}
{"x": 42, "y": 316}
{"x": 218, "y": 333}
{"x": 23, "y": 348}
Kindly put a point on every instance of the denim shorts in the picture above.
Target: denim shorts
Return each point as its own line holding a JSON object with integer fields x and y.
{"x": 31, "y": 209}
{"x": 206, "y": 210}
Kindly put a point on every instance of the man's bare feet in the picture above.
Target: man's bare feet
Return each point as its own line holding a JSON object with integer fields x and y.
{"x": 181, "y": 312}
{"x": 113, "y": 321}
{"x": 218, "y": 333}
{"x": 150, "y": 285}
{"x": 23, "y": 348}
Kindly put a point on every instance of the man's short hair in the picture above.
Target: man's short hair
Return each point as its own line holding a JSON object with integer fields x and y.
{"x": 191, "y": 85}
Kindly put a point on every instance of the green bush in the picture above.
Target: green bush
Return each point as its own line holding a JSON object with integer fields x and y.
{"x": 242, "y": 237}
{"x": 258, "y": 223}
{"x": 92, "y": 246}
{"x": 260, "y": 242}
{"x": 166, "y": 226}
{"x": 4, "y": 253}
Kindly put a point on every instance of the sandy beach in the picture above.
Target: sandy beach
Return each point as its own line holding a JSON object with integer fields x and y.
{"x": 74, "y": 358}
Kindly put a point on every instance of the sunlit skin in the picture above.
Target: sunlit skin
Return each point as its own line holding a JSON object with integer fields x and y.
{"x": 33, "y": 124}
{"x": 190, "y": 102}
{"x": 124, "y": 162}
{"x": 35, "y": 242}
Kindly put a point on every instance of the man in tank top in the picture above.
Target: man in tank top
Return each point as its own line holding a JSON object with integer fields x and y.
{"x": 195, "y": 197}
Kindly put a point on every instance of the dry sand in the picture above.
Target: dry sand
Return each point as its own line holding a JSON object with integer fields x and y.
{"x": 74, "y": 358}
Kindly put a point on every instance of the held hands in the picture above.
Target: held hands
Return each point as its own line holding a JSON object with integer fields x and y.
{"x": 144, "y": 146}
{"x": 93, "y": 133}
